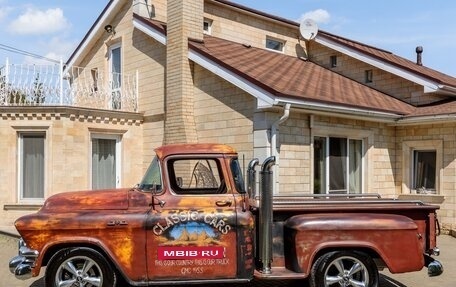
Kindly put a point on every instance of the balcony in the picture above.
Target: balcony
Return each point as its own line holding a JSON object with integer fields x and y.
{"x": 56, "y": 85}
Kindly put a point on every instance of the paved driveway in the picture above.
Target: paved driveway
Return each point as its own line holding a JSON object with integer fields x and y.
{"x": 447, "y": 244}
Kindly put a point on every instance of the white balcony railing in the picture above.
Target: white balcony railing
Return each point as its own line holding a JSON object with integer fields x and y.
{"x": 54, "y": 85}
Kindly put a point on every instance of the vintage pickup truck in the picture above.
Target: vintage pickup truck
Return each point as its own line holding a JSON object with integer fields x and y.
{"x": 192, "y": 220}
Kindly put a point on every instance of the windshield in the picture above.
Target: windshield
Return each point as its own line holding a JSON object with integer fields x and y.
{"x": 152, "y": 178}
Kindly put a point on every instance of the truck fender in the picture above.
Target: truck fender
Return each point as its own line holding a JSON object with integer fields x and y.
{"x": 393, "y": 238}
{"x": 76, "y": 241}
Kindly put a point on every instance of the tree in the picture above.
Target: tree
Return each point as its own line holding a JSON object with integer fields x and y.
{"x": 8, "y": 95}
{"x": 38, "y": 96}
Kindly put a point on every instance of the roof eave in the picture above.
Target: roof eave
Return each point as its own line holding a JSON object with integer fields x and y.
{"x": 343, "y": 111}
{"x": 147, "y": 29}
{"x": 88, "y": 38}
{"x": 426, "y": 120}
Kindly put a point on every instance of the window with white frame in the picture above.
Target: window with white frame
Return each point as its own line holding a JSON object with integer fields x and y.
{"x": 105, "y": 162}
{"x": 422, "y": 166}
{"x": 338, "y": 165}
{"x": 31, "y": 165}
{"x": 207, "y": 26}
{"x": 275, "y": 44}
{"x": 115, "y": 71}
{"x": 424, "y": 171}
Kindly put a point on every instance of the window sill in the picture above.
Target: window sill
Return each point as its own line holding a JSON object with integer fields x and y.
{"x": 22, "y": 206}
{"x": 427, "y": 198}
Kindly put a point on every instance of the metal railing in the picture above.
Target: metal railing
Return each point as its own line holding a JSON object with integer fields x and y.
{"x": 51, "y": 85}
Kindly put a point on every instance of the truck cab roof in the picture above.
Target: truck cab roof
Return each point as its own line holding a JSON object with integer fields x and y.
{"x": 193, "y": 148}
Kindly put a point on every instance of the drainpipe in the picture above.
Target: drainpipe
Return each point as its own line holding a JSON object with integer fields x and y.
{"x": 274, "y": 153}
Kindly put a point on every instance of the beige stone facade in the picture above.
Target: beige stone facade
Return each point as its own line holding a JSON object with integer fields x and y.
{"x": 179, "y": 100}
{"x": 67, "y": 133}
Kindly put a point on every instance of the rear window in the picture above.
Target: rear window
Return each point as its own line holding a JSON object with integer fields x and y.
{"x": 196, "y": 176}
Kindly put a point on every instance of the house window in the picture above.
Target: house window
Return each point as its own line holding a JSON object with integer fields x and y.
{"x": 368, "y": 76}
{"x": 424, "y": 171}
{"x": 94, "y": 75}
{"x": 337, "y": 165}
{"x": 31, "y": 165}
{"x": 333, "y": 61}
{"x": 115, "y": 72}
{"x": 275, "y": 44}
{"x": 207, "y": 26}
{"x": 105, "y": 161}
{"x": 422, "y": 166}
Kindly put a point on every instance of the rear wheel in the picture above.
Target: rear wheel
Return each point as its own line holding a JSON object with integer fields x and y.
{"x": 344, "y": 269}
{"x": 79, "y": 267}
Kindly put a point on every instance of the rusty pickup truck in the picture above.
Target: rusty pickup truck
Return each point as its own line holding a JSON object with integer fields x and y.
{"x": 192, "y": 220}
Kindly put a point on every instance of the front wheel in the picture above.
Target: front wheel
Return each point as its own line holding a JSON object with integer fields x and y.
{"x": 344, "y": 269}
{"x": 81, "y": 267}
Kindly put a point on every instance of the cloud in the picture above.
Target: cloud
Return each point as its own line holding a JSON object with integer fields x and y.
{"x": 4, "y": 12}
{"x": 319, "y": 16}
{"x": 54, "y": 49}
{"x": 38, "y": 22}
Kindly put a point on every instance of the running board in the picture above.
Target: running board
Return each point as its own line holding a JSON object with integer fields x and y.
{"x": 279, "y": 273}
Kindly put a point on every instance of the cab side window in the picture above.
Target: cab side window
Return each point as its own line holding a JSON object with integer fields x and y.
{"x": 196, "y": 176}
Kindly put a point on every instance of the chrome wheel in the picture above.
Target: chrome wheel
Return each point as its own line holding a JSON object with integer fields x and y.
{"x": 79, "y": 267}
{"x": 79, "y": 271}
{"x": 344, "y": 269}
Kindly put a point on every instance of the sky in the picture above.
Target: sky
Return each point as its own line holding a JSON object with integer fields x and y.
{"x": 53, "y": 28}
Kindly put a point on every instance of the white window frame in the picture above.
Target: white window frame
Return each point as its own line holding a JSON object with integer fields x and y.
{"x": 118, "y": 139}
{"x": 209, "y": 26}
{"x": 408, "y": 148}
{"x": 347, "y": 159}
{"x": 367, "y": 138}
{"x": 110, "y": 63}
{"x": 281, "y": 42}
{"x": 21, "y": 132}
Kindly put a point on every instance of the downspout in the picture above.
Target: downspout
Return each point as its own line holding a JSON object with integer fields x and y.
{"x": 274, "y": 153}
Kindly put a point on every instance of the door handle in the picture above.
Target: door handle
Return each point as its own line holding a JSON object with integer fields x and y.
{"x": 221, "y": 203}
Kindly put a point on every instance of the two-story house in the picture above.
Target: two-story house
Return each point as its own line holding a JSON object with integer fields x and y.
{"x": 341, "y": 117}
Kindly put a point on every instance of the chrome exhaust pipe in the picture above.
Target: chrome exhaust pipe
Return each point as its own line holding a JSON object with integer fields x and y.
{"x": 251, "y": 180}
{"x": 266, "y": 205}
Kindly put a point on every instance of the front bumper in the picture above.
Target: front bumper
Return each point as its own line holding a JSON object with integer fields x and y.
{"x": 22, "y": 264}
{"x": 435, "y": 268}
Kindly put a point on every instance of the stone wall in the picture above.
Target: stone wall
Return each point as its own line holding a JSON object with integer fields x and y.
{"x": 67, "y": 156}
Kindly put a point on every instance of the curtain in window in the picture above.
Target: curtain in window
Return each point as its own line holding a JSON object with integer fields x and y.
{"x": 337, "y": 165}
{"x": 32, "y": 166}
{"x": 103, "y": 163}
{"x": 320, "y": 165}
{"x": 425, "y": 170}
{"x": 355, "y": 166}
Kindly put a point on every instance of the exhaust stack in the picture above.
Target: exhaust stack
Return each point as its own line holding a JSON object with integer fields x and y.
{"x": 266, "y": 205}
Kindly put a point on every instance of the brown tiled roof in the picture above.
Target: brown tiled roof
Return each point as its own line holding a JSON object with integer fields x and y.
{"x": 293, "y": 78}
{"x": 437, "y": 109}
{"x": 392, "y": 59}
{"x": 380, "y": 54}
{"x": 290, "y": 77}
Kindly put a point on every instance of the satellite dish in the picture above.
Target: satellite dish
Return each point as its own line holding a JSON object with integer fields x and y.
{"x": 308, "y": 29}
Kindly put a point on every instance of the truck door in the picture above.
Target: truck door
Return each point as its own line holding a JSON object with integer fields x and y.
{"x": 192, "y": 230}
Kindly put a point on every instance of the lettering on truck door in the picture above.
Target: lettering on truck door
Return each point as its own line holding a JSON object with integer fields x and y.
{"x": 193, "y": 235}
